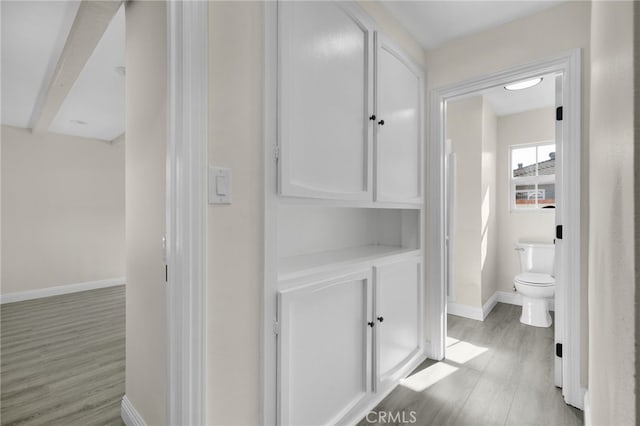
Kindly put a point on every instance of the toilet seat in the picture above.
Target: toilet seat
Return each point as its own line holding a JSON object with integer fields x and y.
{"x": 535, "y": 279}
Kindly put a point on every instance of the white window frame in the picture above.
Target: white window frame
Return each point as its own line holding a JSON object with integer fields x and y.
{"x": 527, "y": 180}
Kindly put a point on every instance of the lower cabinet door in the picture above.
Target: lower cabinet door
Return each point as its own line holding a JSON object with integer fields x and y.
{"x": 324, "y": 359}
{"x": 398, "y": 315}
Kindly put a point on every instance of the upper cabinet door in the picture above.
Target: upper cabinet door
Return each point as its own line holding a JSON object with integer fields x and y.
{"x": 325, "y": 99}
{"x": 398, "y": 126}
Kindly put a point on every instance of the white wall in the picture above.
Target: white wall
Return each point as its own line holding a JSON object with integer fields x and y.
{"x": 62, "y": 210}
{"x": 522, "y": 128}
{"x": 523, "y": 41}
{"x": 612, "y": 275}
{"x": 146, "y": 124}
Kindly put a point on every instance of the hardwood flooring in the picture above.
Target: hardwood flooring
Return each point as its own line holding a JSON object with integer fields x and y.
{"x": 63, "y": 358}
{"x": 497, "y": 372}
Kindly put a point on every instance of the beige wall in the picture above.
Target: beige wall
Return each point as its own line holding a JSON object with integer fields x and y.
{"x": 471, "y": 127}
{"x": 62, "y": 210}
{"x": 394, "y": 30}
{"x": 522, "y": 128}
{"x": 488, "y": 224}
{"x": 464, "y": 129}
{"x": 523, "y": 41}
{"x": 146, "y": 105}
{"x": 611, "y": 266}
{"x": 235, "y": 234}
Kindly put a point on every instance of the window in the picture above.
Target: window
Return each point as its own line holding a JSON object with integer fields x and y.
{"x": 533, "y": 176}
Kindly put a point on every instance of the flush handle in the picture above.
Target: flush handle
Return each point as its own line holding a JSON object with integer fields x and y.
{"x": 519, "y": 249}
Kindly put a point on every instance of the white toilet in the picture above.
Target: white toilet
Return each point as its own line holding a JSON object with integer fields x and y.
{"x": 535, "y": 282}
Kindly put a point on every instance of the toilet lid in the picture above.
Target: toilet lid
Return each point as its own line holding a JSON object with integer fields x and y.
{"x": 535, "y": 278}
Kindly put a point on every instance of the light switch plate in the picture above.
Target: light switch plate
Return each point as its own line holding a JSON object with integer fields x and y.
{"x": 219, "y": 185}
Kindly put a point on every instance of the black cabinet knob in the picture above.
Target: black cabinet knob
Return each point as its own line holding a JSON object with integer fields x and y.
{"x": 373, "y": 117}
{"x": 380, "y": 319}
{"x": 371, "y": 324}
{"x": 381, "y": 122}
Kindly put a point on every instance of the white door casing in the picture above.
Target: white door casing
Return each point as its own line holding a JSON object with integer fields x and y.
{"x": 569, "y": 251}
{"x": 450, "y": 229}
{"x": 187, "y": 27}
{"x": 560, "y": 291}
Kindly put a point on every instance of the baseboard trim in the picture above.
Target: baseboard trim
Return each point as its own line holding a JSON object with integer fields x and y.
{"x": 488, "y": 307}
{"x": 587, "y": 408}
{"x": 130, "y": 416}
{"x": 58, "y": 290}
{"x": 465, "y": 311}
{"x": 479, "y": 314}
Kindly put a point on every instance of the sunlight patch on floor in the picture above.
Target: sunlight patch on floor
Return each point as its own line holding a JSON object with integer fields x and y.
{"x": 462, "y": 352}
{"x": 428, "y": 377}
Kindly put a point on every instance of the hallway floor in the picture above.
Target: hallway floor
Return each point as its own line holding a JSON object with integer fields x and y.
{"x": 63, "y": 359}
{"x": 497, "y": 372}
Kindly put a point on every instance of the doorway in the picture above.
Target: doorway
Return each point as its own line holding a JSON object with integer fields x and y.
{"x": 567, "y": 186}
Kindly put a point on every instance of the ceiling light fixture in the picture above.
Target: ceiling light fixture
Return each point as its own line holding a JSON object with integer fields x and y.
{"x": 523, "y": 84}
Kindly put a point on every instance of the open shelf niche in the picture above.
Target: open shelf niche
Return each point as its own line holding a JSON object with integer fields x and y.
{"x": 315, "y": 239}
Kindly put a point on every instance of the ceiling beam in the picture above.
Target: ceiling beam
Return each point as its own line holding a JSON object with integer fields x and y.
{"x": 92, "y": 20}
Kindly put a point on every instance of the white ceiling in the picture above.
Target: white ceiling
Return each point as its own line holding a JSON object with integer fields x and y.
{"x": 33, "y": 36}
{"x": 434, "y": 23}
{"x": 505, "y": 102}
{"x": 34, "y": 33}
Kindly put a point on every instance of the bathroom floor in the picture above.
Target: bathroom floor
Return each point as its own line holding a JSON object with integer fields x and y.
{"x": 63, "y": 359}
{"x": 497, "y": 372}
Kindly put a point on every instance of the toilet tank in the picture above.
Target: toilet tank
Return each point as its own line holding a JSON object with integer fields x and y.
{"x": 536, "y": 257}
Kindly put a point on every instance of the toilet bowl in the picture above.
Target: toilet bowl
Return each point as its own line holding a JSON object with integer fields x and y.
{"x": 535, "y": 282}
{"x": 536, "y": 289}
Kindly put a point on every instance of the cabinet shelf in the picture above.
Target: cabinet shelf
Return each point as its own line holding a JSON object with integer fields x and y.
{"x": 294, "y": 267}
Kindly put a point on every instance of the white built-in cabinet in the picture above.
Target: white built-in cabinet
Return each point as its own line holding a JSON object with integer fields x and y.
{"x": 346, "y": 215}
{"x": 350, "y": 108}
{"x": 397, "y": 312}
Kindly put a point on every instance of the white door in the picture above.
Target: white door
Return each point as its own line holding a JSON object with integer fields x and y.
{"x": 558, "y": 272}
{"x": 397, "y": 329}
{"x": 324, "y": 349}
{"x": 398, "y": 126}
{"x": 449, "y": 217}
{"x": 325, "y": 100}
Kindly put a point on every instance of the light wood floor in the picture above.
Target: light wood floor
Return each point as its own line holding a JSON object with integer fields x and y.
{"x": 62, "y": 359}
{"x": 497, "y": 372}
